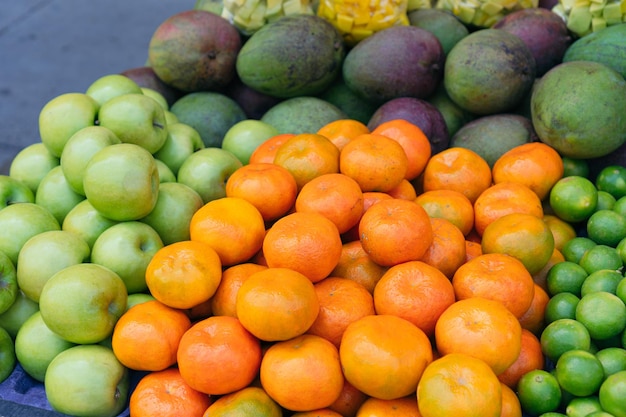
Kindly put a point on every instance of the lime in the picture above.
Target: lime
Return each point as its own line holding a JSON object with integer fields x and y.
{"x": 539, "y": 392}
{"x": 606, "y": 201}
{"x": 612, "y": 394}
{"x": 575, "y": 248}
{"x": 563, "y": 335}
{"x": 613, "y": 359}
{"x": 602, "y": 313}
{"x": 620, "y": 206}
{"x": 601, "y": 280}
{"x": 561, "y": 306}
{"x": 553, "y": 414}
{"x": 599, "y": 414}
{"x": 579, "y": 372}
{"x": 620, "y": 290}
{"x": 601, "y": 257}
{"x": 583, "y": 406}
{"x": 578, "y": 167}
{"x": 612, "y": 179}
{"x": 566, "y": 276}
{"x": 621, "y": 250}
{"x": 606, "y": 227}
{"x": 573, "y": 198}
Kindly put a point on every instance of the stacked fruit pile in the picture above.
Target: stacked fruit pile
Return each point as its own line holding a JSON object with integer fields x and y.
{"x": 280, "y": 219}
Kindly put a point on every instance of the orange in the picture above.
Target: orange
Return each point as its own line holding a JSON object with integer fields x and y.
{"x": 535, "y": 164}
{"x": 218, "y": 356}
{"x": 306, "y": 156}
{"x": 268, "y": 187}
{"x": 306, "y": 242}
{"x": 482, "y": 328}
{"x": 356, "y": 265}
{"x": 342, "y": 301}
{"x": 277, "y": 304}
{"x": 223, "y": 302}
{"x": 534, "y": 318}
{"x": 184, "y": 274}
{"x": 457, "y": 169}
{"x": 504, "y": 198}
{"x": 166, "y": 394}
{"x": 451, "y": 205}
{"x": 266, "y": 151}
{"x": 400, "y": 407}
{"x": 303, "y": 373}
{"x": 404, "y": 190}
{"x": 523, "y": 236}
{"x": 511, "y": 406}
{"x": 541, "y": 276}
{"x": 376, "y": 162}
{"x": 472, "y": 250}
{"x": 459, "y": 385}
{"x": 562, "y": 231}
{"x": 416, "y": 292}
{"x": 447, "y": 251}
{"x": 342, "y": 131}
{"x": 497, "y": 277}
{"x": 384, "y": 355}
{"x": 369, "y": 198}
{"x": 335, "y": 196}
{"x": 248, "y": 401}
{"x": 349, "y": 400}
{"x": 395, "y": 231}
{"x": 529, "y": 359}
{"x": 232, "y": 226}
{"x": 146, "y": 336}
{"x": 321, "y": 412}
{"x": 412, "y": 139}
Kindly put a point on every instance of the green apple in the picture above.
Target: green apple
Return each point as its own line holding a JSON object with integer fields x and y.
{"x": 126, "y": 248}
{"x": 157, "y": 96}
{"x": 8, "y": 283}
{"x": 36, "y": 345}
{"x": 138, "y": 298}
{"x": 110, "y": 86}
{"x": 21, "y": 309}
{"x": 44, "y": 255}
{"x": 55, "y": 194}
{"x": 87, "y": 380}
{"x": 31, "y": 164}
{"x": 63, "y": 116}
{"x": 170, "y": 118}
{"x": 14, "y": 191}
{"x": 182, "y": 140}
{"x": 87, "y": 222}
{"x": 245, "y": 136}
{"x": 8, "y": 359}
{"x": 174, "y": 209}
{"x": 82, "y": 303}
{"x": 122, "y": 181}
{"x": 207, "y": 170}
{"x": 165, "y": 173}
{"x": 135, "y": 118}
{"x": 20, "y": 222}
{"x": 78, "y": 151}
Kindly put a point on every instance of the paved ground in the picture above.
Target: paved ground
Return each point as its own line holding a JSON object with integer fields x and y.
{"x": 51, "y": 47}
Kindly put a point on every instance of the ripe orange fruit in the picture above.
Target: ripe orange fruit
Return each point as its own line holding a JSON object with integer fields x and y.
{"x": 384, "y": 355}
{"x": 342, "y": 131}
{"x": 447, "y": 251}
{"x": 472, "y": 250}
{"x": 306, "y": 242}
{"x": 541, "y": 276}
{"x": 223, "y": 302}
{"x": 562, "y": 231}
{"x": 306, "y": 156}
{"x": 511, "y": 406}
{"x": 412, "y": 139}
{"x": 459, "y": 385}
{"x": 376, "y": 162}
{"x": 335, "y": 196}
{"x": 369, "y": 198}
{"x": 321, "y": 412}
{"x": 451, "y": 205}
{"x": 400, "y": 407}
{"x": 184, "y": 274}
{"x": 457, "y": 169}
{"x": 534, "y": 318}
{"x": 530, "y": 358}
{"x": 342, "y": 301}
{"x": 356, "y": 265}
{"x": 266, "y": 151}
{"x": 482, "y": 328}
{"x": 248, "y": 401}
{"x": 410, "y": 284}
{"x": 277, "y": 304}
{"x": 166, "y": 394}
{"x": 497, "y": 277}
{"x": 146, "y": 336}
{"x": 404, "y": 190}
{"x": 232, "y": 226}
{"x": 268, "y": 187}
{"x": 303, "y": 373}
{"x": 349, "y": 400}
{"x": 535, "y": 164}
{"x": 223, "y": 346}
{"x": 395, "y": 231}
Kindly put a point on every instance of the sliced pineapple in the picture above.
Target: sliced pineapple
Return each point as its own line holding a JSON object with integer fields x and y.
{"x": 484, "y": 13}
{"x": 587, "y": 16}
{"x": 250, "y": 15}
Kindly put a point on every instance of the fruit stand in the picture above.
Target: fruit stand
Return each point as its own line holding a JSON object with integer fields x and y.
{"x": 328, "y": 208}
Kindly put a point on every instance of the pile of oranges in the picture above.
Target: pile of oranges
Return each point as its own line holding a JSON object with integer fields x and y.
{"x": 351, "y": 272}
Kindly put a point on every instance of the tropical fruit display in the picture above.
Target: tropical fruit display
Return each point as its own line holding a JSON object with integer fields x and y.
{"x": 337, "y": 208}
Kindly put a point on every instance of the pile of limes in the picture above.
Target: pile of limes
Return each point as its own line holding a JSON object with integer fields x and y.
{"x": 584, "y": 340}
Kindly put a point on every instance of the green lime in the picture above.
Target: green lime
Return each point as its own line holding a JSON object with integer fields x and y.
{"x": 552, "y": 414}
{"x": 583, "y": 406}
{"x": 563, "y": 335}
{"x": 612, "y": 394}
{"x": 538, "y": 392}
{"x": 577, "y": 167}
{"x": 579, "y": 372}
{"x": 601, "y": 280}
{"x": 602, "y": 313}
{"x": 565, "y": 276}
{"x": 561, "y": 306}
{"x": 612, "y": 179}
{"x": 573, "y": 198}
{"x": 613, "y": 359}
{"x": 606, "y": 201}
{"x": 621, "y": 250}
{"x": 606, "y": 227}
{"x": 620, "y": 290}
{"x": 601, "y": 257}
{"x": 620, "y": 206}
{"x": 575, "y": 248}
{"x": 599, "y": 414}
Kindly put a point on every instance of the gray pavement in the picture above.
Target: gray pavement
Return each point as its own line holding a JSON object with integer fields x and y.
{"x": 51, "y": 47}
